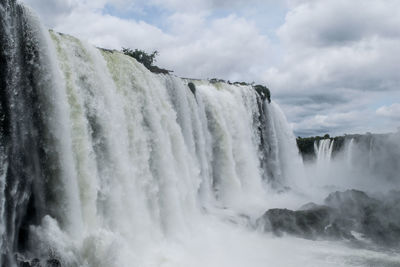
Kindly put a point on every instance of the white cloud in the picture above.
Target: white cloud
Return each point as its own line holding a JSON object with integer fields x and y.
{"x": 52, "y": 11}
{"x": 229, "y": 47}
{"x": 340, "y": 56}
{"x": 113, "y": 32}
{"x": 392, "y": 111}
{"x": 339, "y": 22}
{"x": 196, "y": 5}
{"x": 194, "y": 44}
{"x": 334, "y": 122}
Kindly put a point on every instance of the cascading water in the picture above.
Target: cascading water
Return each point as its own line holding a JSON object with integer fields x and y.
{"x": 323, "y": 149}
{"x": 349, "y": 152}
{"x": 103, "y": 163}
{"x": 283, "y": 162}
{"x": 356, "y": 161}
{"x": 34, "y": 132}
{"x": 114, "y": 150}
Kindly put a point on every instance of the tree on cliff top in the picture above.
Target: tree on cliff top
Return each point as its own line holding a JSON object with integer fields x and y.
{"x": 146, "y": 59}
{"x": 141, "y": 56}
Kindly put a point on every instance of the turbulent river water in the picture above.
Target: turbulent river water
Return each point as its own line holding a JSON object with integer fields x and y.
{"x": 103, "y": 163}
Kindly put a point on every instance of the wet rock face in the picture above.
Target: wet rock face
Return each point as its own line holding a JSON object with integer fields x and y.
{"x": 263, "y": 92}
{"x": 376, "y": 219}
{"x": 192, "y": 88}
{"x": 314, "y": 223}
{"x": 53, "y": 263}
{"x": 307, "y": 223}
{"x": 32, "y": 263}
{"x": 351, "y": 203}
{"x": 343, "y": 213}
{"x": 36, "y": 263}
{"x": 25, "y": 264}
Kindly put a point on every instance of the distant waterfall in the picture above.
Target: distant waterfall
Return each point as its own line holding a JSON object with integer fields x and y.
{"x": 349, "y": 152}
{"x": 357, "y": 161}
{"x": 323, "y": 150}
{"x": 101, "y": 159}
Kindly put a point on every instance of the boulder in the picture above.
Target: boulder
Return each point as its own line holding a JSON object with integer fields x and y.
{"x": 343, "y": 213}
{"x": 53, "y": 263}
{"x": 33, "y": 263}
{"x": 304, "y": 223}
{"x": 351, "y": 203}
{"x": 24, "y": 264}
{"x": 378, "y": 220}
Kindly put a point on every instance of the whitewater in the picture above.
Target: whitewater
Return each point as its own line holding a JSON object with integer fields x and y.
{"x": 103, "y": 163}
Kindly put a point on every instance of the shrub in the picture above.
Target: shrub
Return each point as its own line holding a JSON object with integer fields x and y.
{"x": 141, "y": 56}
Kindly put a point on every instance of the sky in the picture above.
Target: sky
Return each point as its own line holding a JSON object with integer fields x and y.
{"x": 332, "y": 65}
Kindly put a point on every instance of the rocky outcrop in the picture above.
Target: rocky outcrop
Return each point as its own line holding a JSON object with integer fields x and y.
{"x": 36, "y": 263}
{"x": 306, "y": 223}
{"x": 53, "y": 263}
{"x": 192, "y": 88}
{"x": 342, "y": 214}
{"x": 263, "y": 92}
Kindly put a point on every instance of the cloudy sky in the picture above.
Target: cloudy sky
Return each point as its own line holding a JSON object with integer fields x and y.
{"x": 332, "y": 65}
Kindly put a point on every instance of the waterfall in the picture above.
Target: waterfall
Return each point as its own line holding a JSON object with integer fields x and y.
{"x": 100, "y": 159}
{"x": 323, "y": 149}
{"x": 35, "y": 139}
{"x": 366, "y": 162}
{"x": 284, "y": 162}
{"x": 104, "y": 163}
{"x": 349, "y": 152}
